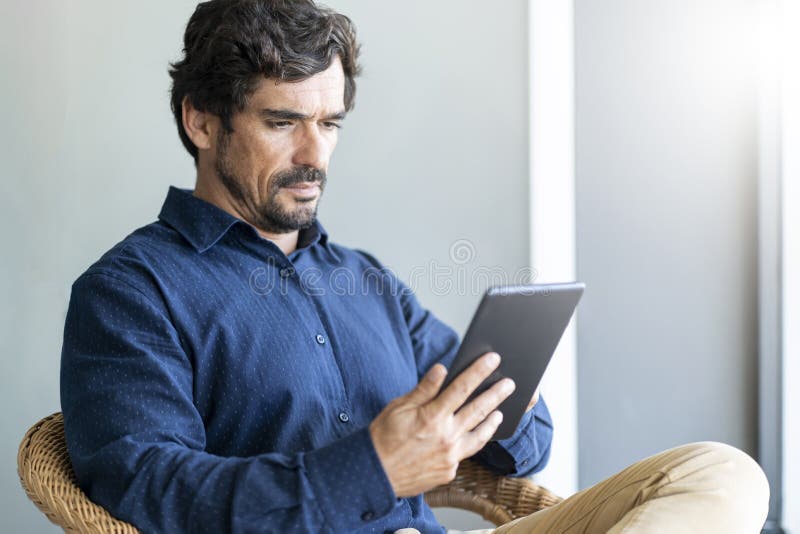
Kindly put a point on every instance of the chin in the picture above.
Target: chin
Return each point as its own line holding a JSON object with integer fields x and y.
{"x": 305, "y": 216}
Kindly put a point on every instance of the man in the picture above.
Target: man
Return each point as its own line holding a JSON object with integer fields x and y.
{"x": 228, "y": 368}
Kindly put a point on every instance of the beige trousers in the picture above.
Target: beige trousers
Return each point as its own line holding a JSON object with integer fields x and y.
{"x": 704, "y": 487}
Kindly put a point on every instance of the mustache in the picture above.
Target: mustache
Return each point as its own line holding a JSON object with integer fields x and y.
{"x": 299, "y": 175}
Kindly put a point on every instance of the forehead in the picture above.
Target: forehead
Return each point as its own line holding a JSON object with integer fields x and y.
{"x": 321, "y": 93}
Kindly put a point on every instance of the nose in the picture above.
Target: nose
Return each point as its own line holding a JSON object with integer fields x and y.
{"x": 313, "y": 149}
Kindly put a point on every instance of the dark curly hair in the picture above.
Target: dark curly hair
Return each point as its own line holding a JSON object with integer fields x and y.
{"x": 231, "y": 45}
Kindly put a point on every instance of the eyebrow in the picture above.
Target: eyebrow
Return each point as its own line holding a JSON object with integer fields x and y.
{"x": 288, "y": 114}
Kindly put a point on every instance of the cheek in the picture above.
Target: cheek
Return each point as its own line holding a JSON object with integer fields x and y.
{"x": 267, "y": 145}
{"x": 262, "y": 155}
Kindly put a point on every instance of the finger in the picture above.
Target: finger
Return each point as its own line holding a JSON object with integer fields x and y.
{"x": 472, "y": 414}
{"x": 534, "y": 400}
{"x": 429, "y": 386}
{"x": 465, "y": 383}
{"x": 474, "y": 441}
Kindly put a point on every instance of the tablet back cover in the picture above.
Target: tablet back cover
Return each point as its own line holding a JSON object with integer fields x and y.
{"x": 524, "y": 325}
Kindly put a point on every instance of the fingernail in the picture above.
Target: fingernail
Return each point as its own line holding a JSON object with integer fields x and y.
{"x": 508, "y": 385}
{"x": 435, "y": 373}
{"x": 493, "y": 359}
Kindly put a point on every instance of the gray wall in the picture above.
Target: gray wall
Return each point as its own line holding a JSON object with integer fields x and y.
{"x": 666, "y": 197}
{"x": 434, "y": 153}
{"x": 436, "y": 150}
{"x": 88, "y": 151}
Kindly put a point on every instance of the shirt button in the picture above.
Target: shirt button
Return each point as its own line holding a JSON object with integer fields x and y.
{"x": 343, "y": 417}
{"x": 320, "y": 339}
{"x": 367, "y": 516}
{"x": 524, "y": 463}
{"x": 286, "y": 272}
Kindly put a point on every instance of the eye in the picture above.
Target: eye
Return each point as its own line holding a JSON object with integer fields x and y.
{"x": 279, "y": 125}
{"x": 332, "y": 125}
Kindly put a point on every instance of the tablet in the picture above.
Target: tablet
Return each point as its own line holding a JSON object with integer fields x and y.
{"x": 523, "y": 324}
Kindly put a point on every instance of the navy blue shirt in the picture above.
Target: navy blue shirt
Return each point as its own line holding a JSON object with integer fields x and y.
{"x": 210, "y": 383}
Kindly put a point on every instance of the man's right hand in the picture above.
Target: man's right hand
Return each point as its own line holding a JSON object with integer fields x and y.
{"x": 422, "y": 436}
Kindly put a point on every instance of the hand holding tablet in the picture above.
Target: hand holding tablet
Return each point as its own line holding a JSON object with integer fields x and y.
{"x": 421, "y": 437}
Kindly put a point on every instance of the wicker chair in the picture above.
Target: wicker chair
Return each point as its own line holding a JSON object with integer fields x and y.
{"x": 47, "y": 477}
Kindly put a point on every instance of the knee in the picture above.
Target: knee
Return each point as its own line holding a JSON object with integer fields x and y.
{"x": 744, "y": 468}
{"x": 737, "y": 475}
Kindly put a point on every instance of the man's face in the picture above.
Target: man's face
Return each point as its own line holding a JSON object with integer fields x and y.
{"x": 274, "y": 164}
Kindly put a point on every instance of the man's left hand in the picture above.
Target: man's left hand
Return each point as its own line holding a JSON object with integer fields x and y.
{"x": 534, "y": 400}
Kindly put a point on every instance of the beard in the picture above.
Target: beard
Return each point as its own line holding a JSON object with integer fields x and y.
{"x": 270, "y": 215}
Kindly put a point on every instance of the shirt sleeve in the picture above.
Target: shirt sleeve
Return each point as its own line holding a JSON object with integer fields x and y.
{"x": 528, "y": 449}
{"x": 136, "y": 440}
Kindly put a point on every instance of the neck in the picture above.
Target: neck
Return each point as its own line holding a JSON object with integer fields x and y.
{"x": 286, "y": 242}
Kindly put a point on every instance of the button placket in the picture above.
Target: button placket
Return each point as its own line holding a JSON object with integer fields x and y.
{"x": 326, "y": 345}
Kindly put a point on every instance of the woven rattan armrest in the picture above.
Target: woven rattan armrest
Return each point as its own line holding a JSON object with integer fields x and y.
{"x": 496, "y": 498}
{"x": 46, "y": 475}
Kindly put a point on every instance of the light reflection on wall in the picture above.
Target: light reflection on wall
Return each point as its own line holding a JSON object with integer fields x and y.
{"x": 789, "y": 65}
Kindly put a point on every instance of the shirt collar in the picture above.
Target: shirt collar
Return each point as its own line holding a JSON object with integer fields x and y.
{"x": 203, "y": 224}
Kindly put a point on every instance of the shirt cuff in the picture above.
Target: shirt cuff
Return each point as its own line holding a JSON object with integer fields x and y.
{"x": 349, "y": 483}
{"x": 512, "y": 456}
{"x": 521, "y": 445}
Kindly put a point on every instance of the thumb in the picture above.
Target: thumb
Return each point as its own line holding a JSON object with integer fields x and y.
{"x": 429, "y": 386}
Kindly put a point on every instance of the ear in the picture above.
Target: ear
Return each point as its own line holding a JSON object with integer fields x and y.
{"x": 200, "y": 126}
